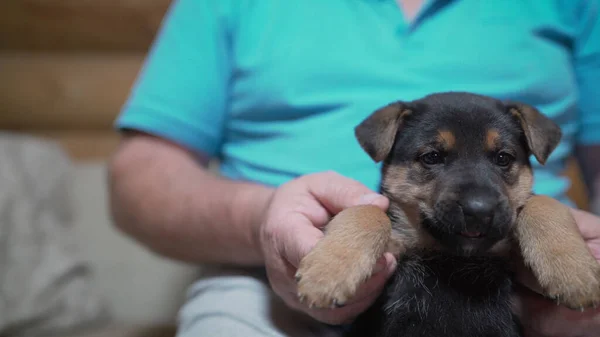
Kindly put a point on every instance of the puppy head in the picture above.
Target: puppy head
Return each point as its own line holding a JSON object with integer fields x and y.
{"x": 462, "y": 160}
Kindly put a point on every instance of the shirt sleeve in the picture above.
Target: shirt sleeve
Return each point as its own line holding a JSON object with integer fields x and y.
{"x": 587, "y": 71}
{"x": 181, "y": 91}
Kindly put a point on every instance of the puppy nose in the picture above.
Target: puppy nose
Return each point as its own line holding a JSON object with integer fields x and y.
{"x": 479, "y": 207}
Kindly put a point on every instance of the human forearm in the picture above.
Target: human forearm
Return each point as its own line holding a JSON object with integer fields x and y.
{"x": 163, "y": 198}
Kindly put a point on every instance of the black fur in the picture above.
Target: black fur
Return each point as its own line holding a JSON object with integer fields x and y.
{"x": 439, "y": 295}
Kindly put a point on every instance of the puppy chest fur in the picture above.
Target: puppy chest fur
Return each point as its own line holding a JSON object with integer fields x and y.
{"x": 434, "y": 294}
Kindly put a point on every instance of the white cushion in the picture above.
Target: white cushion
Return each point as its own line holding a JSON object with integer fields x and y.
{"x": 45, "y": 283}
{"x": 140, "y": 286}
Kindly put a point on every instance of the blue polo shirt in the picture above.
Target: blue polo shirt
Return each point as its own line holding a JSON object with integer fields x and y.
{"x": 275, "y": 88}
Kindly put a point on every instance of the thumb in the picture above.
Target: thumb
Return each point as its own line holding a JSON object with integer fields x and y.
{"x": 589, "y": 227}
{"x": 588, "y": 223}
{"x": 336, "y": 192}
{"x": 299, "y": 239}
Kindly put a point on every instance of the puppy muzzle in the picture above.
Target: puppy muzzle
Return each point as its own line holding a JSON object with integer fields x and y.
{"x": 473, "y": 221}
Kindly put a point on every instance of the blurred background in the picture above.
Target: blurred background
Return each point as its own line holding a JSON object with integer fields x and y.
{"x": 66, "y": 67}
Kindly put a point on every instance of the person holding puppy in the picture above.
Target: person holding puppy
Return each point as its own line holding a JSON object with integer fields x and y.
{"x": 273, "y": 91}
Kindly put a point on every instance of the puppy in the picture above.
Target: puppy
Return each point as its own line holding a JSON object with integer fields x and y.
{"x": 456, "y": 170}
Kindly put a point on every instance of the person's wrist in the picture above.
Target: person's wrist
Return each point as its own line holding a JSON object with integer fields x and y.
{"x": 259, "y": 216}
{"x": 255, "y": 201}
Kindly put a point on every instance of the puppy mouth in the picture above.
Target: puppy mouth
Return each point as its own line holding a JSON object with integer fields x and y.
{"x": 471, "y": 234}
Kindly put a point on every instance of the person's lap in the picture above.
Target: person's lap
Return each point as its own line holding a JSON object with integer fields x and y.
{"x": 232, "y": 303}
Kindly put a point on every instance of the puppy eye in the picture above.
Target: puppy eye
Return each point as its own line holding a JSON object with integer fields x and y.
{"x": 504, "y": 159}
{"x": 432, "y": 158}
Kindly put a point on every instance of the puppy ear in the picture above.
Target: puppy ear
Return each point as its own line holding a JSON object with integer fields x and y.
{"x": 376, "y": 134}
{"x": 542, "y": 134}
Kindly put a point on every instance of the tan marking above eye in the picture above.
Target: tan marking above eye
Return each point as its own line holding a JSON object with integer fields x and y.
{"x": 446, "y": 138}
{"x": 491, "y": 139}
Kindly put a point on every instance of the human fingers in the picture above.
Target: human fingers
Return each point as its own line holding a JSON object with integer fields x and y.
{"x": 298, "y": 239}
{"x": 588, "y": 223}
{"x": 589, "y": 226}
{"x": 543, "y": 318}
{"x": 337, "y": 192}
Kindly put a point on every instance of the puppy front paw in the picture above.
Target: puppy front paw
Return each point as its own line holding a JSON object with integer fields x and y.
{"x": 331, "y": 273}
{"x": 328, "y": 279}
{"x": 553, "y": 247}
{"x": 572, "y": 280}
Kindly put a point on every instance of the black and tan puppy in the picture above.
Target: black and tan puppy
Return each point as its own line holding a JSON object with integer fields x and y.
{"x": 457, "y": 173}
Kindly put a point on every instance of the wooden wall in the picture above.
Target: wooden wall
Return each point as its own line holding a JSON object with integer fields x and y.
{"x": 68, "y": 65}
{"x": 79, "y": 25}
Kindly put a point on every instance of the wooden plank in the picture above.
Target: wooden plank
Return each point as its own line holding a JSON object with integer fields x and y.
{"x": 84, "y": 145}
{"x": 70, "y": 91}
{"x": 125, "y": 25}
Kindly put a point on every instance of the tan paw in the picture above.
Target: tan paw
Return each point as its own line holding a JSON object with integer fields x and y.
{"x": 328, "y": 280}
{"x": 573, "y": 283}
{"x": 330, "y": 274}
{"x": 554, "y": 249}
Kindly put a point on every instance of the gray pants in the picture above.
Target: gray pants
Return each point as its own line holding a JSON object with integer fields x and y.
{"x": 239, "y": 303}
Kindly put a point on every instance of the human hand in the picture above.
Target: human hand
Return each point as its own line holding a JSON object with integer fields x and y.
{"x": 292, "y": 226}
{"x": 543, "y": 317}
